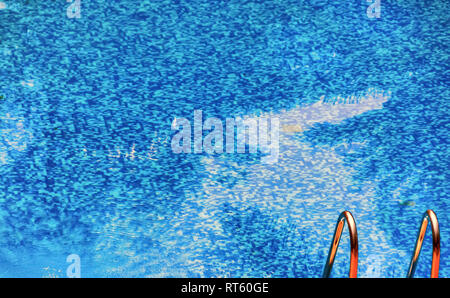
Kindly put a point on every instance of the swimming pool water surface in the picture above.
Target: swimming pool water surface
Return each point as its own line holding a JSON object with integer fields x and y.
{"x": 86, "y": 112}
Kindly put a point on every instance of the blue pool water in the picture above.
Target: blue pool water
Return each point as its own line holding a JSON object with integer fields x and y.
{"x": 87, "y": 104}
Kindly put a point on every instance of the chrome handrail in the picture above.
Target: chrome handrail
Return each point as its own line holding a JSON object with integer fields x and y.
{"x": 344, "y": 216}
{"x": 430, "y": 216}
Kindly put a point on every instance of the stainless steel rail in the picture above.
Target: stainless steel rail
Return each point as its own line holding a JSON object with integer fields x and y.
{"x": 348, "y": 217}
{"x": 428, "y": 216}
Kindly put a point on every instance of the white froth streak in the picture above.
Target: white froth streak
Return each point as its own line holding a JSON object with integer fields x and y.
{"x": 292, "y": 187}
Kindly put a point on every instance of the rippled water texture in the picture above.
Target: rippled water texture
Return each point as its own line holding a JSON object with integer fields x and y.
{"x": 86, "y": 165}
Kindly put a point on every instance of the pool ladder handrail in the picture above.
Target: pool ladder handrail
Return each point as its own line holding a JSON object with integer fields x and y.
{"x": 345, "y": 216}
{"x": 428, "y": 216}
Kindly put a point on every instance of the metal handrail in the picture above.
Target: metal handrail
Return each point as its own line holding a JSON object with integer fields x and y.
{"x": 344, "y": 216}
{"x": 430, "y": 216}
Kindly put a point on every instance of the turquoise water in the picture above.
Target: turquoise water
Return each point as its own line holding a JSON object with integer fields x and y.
{"x": 86, "y": 110}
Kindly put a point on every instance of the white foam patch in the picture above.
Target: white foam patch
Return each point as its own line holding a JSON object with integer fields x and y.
{"x": 14, "y": 135}
{"x": 309, "y": 185}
